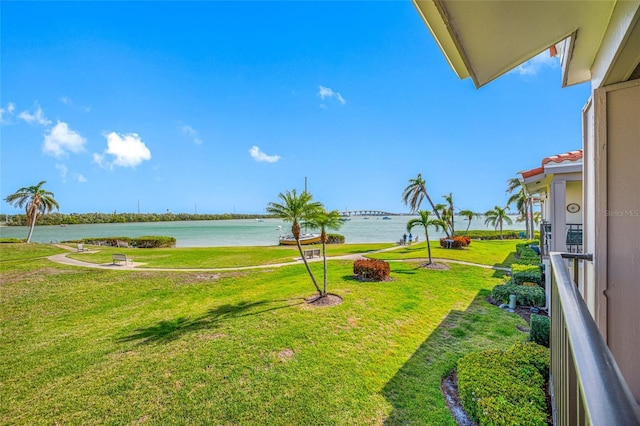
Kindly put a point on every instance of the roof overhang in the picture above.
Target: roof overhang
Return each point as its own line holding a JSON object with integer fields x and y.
{"x": 484, "y": 39}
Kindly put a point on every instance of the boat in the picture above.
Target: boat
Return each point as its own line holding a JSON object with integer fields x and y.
{"x": 386, "y": 218}
{"x": 288, "y": 240}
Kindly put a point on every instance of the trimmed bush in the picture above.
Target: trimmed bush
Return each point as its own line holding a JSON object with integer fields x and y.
{"x": 522, "y": 273}
{"x": 505, "y": 388}
{"x": 459, "y": 241}
{"x": 525, "y": 296}
{"x": 153, "y": 242}
{"x": 335, "y": 239}
{"x": 482, "y": 234}
{"x": 140, "y": 242}
{"x": 12, "y": 240}
{"x": 539, "y": 329}
{"x": 371, "y": 269}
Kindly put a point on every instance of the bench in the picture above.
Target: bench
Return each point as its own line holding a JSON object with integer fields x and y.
{"x": 117, "y": 258}
{"x": 309, "y": 254}
{"x": 123, "y": 244}
{"x": 81, "y": 248}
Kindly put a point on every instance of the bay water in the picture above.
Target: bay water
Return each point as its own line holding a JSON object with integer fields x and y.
{"x": 237, "y": 232}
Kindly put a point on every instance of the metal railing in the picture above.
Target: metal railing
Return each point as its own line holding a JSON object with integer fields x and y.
{"x": 573, "y": 237}
{"x": 587, "y": 387}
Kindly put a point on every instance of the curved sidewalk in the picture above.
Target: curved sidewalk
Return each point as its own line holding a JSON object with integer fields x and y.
{"x": 63, "y": 259}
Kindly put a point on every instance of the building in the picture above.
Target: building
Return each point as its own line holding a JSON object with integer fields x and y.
{"x": 595, "y": 345}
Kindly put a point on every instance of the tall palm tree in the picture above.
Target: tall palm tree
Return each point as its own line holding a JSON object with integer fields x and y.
{"x": 444, "y": 215}
{"x": 469, "y": 215}
{"x": 34, "y": 199}
{"x": 523, "y": 203}
{"x": 496, "y": 217}
{"x": 324, "y": 220}
{"x": 296, "y": 208}
{"x": 425, "y": 221}
{"x": 415, "y": 192}
{"x": 450, "y": 213}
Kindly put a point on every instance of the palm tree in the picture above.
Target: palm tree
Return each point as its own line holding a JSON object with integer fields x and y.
{"x": 296, "y": 208}
{"x": 450, "y": 213}
{"x": 35, "y": 200}
{"x": 469, "y": 215}
{"x": 496, "y": 217}
{"x": 425, "y": 221}
{"x": 523, "y": 203}
{"x": 415, "y": 192}
{"x": 443, "y": 215}
{"x": 324, "y": 220}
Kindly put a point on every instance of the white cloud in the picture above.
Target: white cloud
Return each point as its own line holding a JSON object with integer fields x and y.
{"x": 326, "y": 92}
{"x": 37, "y": 117}
{"x": 535, "y": 64}
{"x": 191, "y": 132}
{"x": 11, "y": 107}
{"x": 65, "y": 100}
{"x": 260, "y": 156}
{"x": 63, "y": 171}
{"x": 61, "y": 139}
{"x": 128, "y": 151}
{"x": 81, "y": 178}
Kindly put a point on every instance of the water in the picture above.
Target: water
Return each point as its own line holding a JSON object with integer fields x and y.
{"x": 241, "y": 232}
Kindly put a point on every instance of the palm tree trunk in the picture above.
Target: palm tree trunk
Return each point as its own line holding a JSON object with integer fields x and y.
{"x": 426, "y": 234}
{"x": 468, "y": 226}
{"x": 31, "y": 226}
{"x": 306, "y": 264}
{"x": 324, "y": 261}
{"x": 500, "y": 228}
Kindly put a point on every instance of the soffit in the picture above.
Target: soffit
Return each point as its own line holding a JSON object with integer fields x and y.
{"x": 485, "y": 39}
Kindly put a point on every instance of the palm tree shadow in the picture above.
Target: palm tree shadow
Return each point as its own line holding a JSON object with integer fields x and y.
{"x": 168, "y": 330}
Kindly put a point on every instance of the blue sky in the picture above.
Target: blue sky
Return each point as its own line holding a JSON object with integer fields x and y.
{"x": 220, "y": 106}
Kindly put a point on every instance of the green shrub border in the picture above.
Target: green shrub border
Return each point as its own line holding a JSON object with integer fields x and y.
{"x": 505, "y": 388}
{"x": 539, "y": 329}
{"x": 525, "y": 296}
{"x": 138, "y": 242}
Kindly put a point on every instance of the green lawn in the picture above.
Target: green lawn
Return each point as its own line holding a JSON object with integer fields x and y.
{"x": 217, "y": 257}
{"x": 19, "y": 251}
{"x": 84, "y": 346}
{"x": 485, "y": 252}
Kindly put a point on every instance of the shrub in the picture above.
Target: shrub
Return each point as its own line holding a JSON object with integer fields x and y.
{"x": 498, "y": 388}
{"x": 12, "y": 240}
{"x": 371, "y": 269}
{"x": 458, "y": 241}
{"x": 485, "y": 234}
{"x": 525, "y": 296}
{"x": 139, "y": 242}
{"x": 153, "y": 242}
{"x": 522, "y": 273}
{"x": 335, "y": 239}
{"x": 539, "y": 329}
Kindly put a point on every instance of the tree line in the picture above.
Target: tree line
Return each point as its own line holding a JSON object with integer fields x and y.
{"x": 92, "y": 218}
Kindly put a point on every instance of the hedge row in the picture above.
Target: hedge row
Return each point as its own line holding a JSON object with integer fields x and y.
{"x": 505, "y": 388}
{"x": 371, "y": 269}
{"x": 335, "y": 239}
{"x": 139, "y": 242}
{"x": 481, "y": 234}
{"x": 525, "y": 295}
{"x": 539, "y": 329}
{"x": 526, "y": 273}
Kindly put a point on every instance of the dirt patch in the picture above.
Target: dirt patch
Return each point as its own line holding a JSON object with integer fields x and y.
{"x": 325, "y": 301}
{"x": 523, "y": 311}
{"x": 370, "y": 280}
{"x": 436, "y": 266}
{"x": 285, "y": 355}
{"x": 449, "y": 388}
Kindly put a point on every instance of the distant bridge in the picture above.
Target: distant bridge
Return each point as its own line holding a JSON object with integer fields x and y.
{"x": 368, "y": 213}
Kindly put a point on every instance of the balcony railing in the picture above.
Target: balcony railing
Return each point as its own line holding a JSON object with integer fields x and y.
{"x": 587, "y": 387}
{"x": 573, "y": 233}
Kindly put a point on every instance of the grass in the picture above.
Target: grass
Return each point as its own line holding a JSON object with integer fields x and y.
{"x": 216, "y": 257}
{"x": 484, "y": 252}
{"x": 21, "y": 251}
{"x": 84, "y": 346}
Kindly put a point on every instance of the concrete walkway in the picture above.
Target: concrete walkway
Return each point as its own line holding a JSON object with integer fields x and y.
{"x": 63, "y": 259}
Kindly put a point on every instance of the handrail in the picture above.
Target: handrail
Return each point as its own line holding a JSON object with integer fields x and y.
{"x": 588, "y": 387}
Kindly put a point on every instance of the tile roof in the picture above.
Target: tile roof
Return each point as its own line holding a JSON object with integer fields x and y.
{"x": 559, "y": 158}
